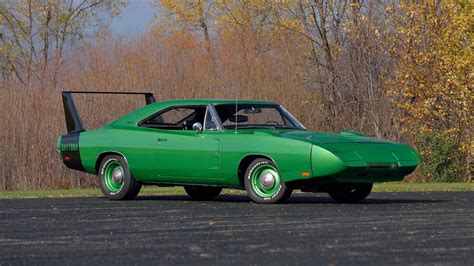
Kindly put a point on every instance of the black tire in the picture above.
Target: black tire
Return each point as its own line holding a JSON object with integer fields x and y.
{"x": 287, "y": 194}
{"x": 280, "y": 191}
{"x": 349, "y": 192}
{"x": 202, "y": 192}
{"x": 129, "y": 187}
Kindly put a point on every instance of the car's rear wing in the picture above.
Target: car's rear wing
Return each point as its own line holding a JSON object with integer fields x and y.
{"x": 73, "y": 120}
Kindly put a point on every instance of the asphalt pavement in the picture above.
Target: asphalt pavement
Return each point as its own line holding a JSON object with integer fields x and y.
{"x": 387, "y": 228}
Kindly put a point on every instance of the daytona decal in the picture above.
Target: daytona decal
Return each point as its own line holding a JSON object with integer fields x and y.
{"x": 69, "y": 147}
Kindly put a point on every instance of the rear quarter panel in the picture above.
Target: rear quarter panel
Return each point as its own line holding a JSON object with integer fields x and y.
{"x": 135, "y": 144}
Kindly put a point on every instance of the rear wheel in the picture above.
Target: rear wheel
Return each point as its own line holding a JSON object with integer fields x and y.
{"x": 264, "y": 184}
{"x": 202, "y": 192}
{"x": 115, "y": 179}
{"x": 349, "y": 192}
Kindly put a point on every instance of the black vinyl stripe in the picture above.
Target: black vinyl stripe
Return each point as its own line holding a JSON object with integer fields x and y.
{"x": 70, "y": 150}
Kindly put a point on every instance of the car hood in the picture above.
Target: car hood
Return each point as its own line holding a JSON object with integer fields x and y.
{"x": 326, "y": 138}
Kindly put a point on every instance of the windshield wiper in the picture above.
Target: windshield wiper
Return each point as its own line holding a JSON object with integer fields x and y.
{"x": 253, "y": 127}
{"x": 262, "y": 127}
{"x": 286, "y": 127}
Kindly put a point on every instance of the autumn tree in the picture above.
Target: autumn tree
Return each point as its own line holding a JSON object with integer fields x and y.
{"x": 185, "y": 16}
{"x": 433, "y": 86}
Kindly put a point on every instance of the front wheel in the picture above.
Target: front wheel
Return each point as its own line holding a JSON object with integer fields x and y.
{"x": 264, "y": 184}
{"x": 202, "y": 192}
{"x": 115, "y": 179}
{"x": 349, "y": 192}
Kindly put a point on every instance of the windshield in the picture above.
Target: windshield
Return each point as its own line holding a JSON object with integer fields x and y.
{"x": 248, "y": 116}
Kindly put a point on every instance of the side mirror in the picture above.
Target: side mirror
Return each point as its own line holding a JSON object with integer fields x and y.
{"x": 197, "y": 126}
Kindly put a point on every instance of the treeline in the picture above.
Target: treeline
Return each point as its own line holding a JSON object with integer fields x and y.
{"x": 399, "y": 70}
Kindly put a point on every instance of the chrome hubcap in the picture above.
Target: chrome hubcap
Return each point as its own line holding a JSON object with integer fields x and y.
{"x": 117, "y": 176}
{"x": 267, "y": 180}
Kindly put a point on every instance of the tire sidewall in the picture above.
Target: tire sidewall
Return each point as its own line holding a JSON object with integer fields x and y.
{"x": 127, "y": 179}
{"x": 275, "y": 198}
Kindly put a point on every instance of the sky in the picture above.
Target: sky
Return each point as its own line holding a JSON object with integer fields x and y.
{"x": 134, "y": 18}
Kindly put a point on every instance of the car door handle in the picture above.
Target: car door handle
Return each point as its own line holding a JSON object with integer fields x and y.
{"x": 160, "y": 140}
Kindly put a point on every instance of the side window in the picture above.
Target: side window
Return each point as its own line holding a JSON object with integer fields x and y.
{"x": 210, "y": 122}
{"x": 179, "y": 118}
{"x": 174, "y": 116}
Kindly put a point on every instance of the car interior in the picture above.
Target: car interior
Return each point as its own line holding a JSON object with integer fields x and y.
{"x": 179, "y": 118}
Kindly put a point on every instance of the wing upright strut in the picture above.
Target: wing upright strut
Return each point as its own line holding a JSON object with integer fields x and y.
{"x": 73, "y": 119}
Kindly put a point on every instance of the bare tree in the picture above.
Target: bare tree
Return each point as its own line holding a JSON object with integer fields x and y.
{"x": 35, "y": 34}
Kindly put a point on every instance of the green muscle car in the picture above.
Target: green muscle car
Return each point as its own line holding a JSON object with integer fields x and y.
{"x": 207, "y": 145}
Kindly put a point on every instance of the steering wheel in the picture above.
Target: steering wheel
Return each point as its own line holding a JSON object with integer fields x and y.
{"x": 271, "y": 122}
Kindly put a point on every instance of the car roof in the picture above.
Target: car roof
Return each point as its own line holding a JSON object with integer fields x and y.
{"x": 213, "y": 101}
{"x": 150, "y": 109}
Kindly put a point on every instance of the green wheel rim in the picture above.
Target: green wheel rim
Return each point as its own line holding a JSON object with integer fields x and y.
{"x": 258, "y": 173}
{"x": 114, "y": 176}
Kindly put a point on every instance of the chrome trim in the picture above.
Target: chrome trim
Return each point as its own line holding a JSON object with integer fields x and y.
{"x": 260, "y": 155}
{"x": 267, "y": 180}
{"x": 205, "y": 119}
{"x": 292, "y": 117}
{"x": 140, "y": 123}
{"x": 215, "y": 117}
{"x": 116, "y": 152}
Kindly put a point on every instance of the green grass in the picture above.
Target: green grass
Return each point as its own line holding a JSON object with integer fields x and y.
{"x": 422, "y": 187}
{"x": 152, "y": 190}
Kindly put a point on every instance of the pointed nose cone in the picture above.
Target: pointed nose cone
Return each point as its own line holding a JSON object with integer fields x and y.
{"x": 363, "y": 162}
{"x": 325, "y": 163}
